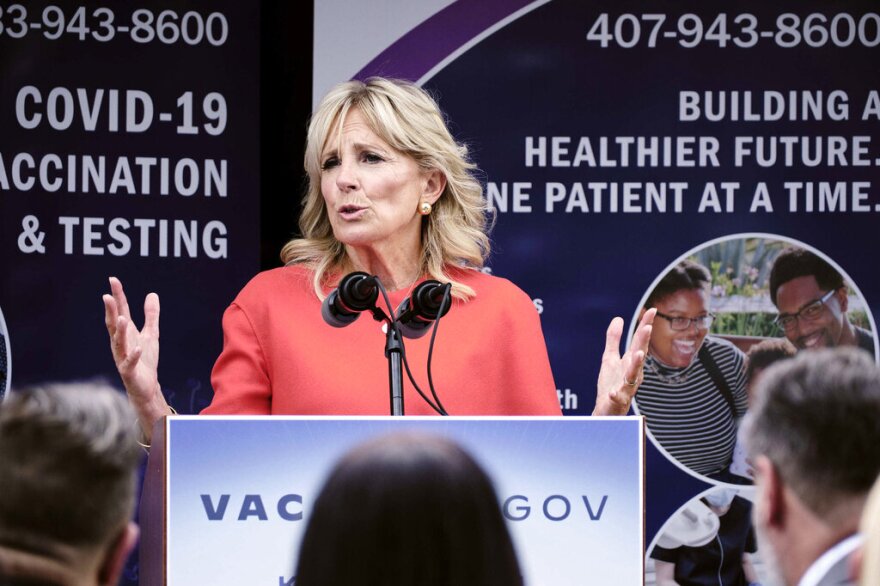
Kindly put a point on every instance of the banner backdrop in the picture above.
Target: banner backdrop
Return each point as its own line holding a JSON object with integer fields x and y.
{"x": 618, "y": 138}
{"x": 127, "y": 149}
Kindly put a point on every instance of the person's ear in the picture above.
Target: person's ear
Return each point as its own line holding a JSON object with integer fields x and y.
{"x": 434, "y": 182}
{"x": 842, "y": 299}
{"x": 116, "y": 555}
{"x": 772, "y": 507}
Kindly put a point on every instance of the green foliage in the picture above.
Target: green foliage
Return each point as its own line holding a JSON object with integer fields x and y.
{"x": 740, "y": 269}
{"x": 860, "y": 318}
{"x": 741, "y": 266}
{"x": 746, "y": 324}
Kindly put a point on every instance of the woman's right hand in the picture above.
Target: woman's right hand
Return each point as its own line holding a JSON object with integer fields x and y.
{"x": 136, "y": 354}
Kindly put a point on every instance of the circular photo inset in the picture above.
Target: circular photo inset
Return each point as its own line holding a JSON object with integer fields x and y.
{"x": 725, "y": 311}
{"x": 710, "y": 540}
{"x": 5, "y": 362}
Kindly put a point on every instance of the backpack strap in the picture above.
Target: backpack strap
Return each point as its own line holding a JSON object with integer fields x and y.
{"x": 715, "y": 373}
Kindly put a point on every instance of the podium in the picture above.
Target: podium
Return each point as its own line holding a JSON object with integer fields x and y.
{"x": 226, "y": 499}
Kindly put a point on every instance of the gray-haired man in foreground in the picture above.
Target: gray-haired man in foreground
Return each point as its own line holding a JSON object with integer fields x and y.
{"x": 68, "y": 476}
{"x": 813, "y": 438}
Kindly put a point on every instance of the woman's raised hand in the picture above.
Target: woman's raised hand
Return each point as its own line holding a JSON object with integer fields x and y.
{"x": 136, "y": 354}
{"x": 620, "y": 376}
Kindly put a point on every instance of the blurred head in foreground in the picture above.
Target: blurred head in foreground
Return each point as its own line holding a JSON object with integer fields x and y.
{"x": 407, "y": 509}
{"x": 68, "y": 475}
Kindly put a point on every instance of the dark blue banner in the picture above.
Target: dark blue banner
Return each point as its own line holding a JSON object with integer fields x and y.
{"x": 129, "y": 148}
{"x": 620, "y": 138}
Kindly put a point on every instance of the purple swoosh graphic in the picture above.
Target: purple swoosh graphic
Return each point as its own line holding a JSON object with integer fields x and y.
{"x": 416, "y": 52}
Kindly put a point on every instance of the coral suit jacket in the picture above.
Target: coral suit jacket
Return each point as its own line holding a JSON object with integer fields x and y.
{"x": 279, "y": 357}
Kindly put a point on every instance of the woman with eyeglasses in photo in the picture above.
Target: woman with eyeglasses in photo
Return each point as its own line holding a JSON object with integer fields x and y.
{"x": 694, "y": 387}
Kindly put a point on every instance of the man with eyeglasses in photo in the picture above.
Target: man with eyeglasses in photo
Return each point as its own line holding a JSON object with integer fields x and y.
{"x": 812, "y": 300}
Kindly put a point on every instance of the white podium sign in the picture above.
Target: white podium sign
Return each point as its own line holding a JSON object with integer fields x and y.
{"x": 239, "y": 491}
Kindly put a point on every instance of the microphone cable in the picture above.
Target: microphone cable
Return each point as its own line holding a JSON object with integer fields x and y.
{"x": 444, "y": 305}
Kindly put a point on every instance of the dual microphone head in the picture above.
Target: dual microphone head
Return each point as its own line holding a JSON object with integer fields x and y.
{"x": 358, "y": 292}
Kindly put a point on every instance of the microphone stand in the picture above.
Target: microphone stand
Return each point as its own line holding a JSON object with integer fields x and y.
{"x": 393, "y": 351}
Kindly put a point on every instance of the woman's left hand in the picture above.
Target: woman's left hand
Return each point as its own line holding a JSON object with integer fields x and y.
{"x": 620, "y": 376}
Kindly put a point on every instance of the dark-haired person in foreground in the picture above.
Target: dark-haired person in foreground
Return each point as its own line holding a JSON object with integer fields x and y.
{"x": 812, "y": 300}
{"x": 68, "y": 476}
{"x": 694, "y": 390}
{"x": 813, "y": 436}
{"x": 407, "y": 510}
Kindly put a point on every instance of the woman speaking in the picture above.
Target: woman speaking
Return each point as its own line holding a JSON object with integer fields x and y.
{"x": 390, "y": 193}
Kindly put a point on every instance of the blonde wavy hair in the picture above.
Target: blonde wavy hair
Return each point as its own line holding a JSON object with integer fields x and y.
{"x": 454, "y": 235}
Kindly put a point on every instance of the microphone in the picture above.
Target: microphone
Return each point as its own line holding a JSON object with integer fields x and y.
{"x": 356, "y": 292}
{"x": 416, "y": 313}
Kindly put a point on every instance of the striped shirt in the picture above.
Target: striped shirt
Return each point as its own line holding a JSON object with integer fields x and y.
{"x": 687, "y": 415}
